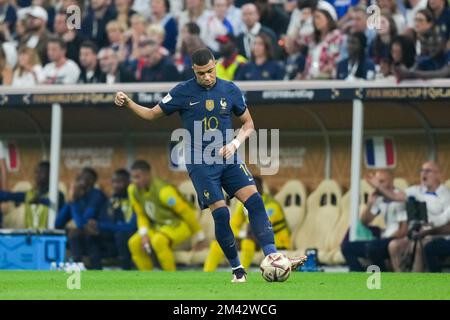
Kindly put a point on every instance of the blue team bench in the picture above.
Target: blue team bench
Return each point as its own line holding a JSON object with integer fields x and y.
{"x": 24, "y": 249}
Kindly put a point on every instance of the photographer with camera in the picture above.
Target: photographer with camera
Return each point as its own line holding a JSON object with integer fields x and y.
{"x": 394, "y": 213}
{"x": 436, "y": 199}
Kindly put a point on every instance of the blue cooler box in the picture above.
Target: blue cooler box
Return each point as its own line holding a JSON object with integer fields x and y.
{"x": 31, "y": 250}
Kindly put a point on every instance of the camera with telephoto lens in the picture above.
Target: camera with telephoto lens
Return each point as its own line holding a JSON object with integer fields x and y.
{"x": 417, "y": 215}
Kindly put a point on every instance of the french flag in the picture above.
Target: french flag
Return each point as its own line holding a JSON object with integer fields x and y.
{"x": 380, "y": 153}
{"x": 10, "y": 153}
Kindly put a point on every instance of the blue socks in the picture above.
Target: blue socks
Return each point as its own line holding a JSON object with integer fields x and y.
{"x": 225, "y": 236}
{"x": 260, "y": 224}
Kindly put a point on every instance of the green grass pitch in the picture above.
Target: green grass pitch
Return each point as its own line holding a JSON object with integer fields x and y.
{"x": 192, "y": 285}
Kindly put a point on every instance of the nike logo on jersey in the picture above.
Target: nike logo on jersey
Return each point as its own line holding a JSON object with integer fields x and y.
{"x": 193, "y": 103}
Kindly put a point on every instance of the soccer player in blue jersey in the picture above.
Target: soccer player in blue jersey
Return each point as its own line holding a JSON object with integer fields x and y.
{"x": 206, "y": 103}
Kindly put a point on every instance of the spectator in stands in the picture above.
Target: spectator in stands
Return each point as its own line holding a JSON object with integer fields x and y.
{"x": 359, "y": 23}
{"x": 253, "y": 27}
{"x": 301, "y": 25}
{"x": 190, "y": 41}
{"x": 161, "y": 15}
{"x": 36, "y": 33}
{"x": 114, "y": 70}
{"x": 403, "y": 52}
{"x": 157, "y": 67}
{"x": 93, "y": 26}
{"x": 441, "y": 15}
{"x": 71, "y": 37}
{"x": 28, "y": 71}
{"x": 117, "y": 221}
{"x": 117, "y": 39}
{"x": 36, "y": 200}
{"x": 216, "y": 25}
{"x": 90, "y": 67}
{"x": 395, "y": 217}
{"x": 423, "y": 22}
{"x": 412, "y": 6}
{"x": 390, "y": 7}
{"x": 272, "y": 17}
{"x": 59, "y": 70}
{"x": 156, "y": 33}
{"x": 86, "y": 204}
{"x": 51, "y": 11}
{"x": 136, "y": 34}
{"x": 124, "y": 11}
{"x": 173, "y": 219}
{"x": 436, "y": 56}
{"x": 230, "y": 59}
{"x": 437, "y": 199}
{"x": 357, "y": 65}
{"x": 324, "y": 52}
{"x": 8, "y": 15}
{"x": 435, "y": 64}
{"x": 197, "y": 12}
{"x": 234, "y": 15}
{"x": 380, "y": 47}
{"x": 6, "y": 73}
{"x": 262, "y": 65}
{"x": 295, "y": 61}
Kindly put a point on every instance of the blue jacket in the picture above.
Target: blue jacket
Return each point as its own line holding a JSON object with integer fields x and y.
{"x": 87, "y": 207}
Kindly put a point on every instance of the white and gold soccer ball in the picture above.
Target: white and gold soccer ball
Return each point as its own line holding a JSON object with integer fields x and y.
{"x": 275, "y": 267}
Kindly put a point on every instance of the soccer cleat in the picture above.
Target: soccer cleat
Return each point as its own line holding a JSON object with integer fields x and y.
{"x": 239, "y": 275}
{"x": 297, "y": 262}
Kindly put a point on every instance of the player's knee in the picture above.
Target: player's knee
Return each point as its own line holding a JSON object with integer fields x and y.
{"x": 160, "y": 242}
{"x": 221, "y": 215}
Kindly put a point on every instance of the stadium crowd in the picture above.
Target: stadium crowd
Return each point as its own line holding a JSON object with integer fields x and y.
{"x": 111, "y": 41}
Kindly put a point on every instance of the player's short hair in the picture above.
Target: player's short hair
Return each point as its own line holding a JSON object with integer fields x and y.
{"x": 141, "y": 165}
{"x": 202, "y": 56}
{"x": 123, "y": 173}
{"x": 90, "y": 172}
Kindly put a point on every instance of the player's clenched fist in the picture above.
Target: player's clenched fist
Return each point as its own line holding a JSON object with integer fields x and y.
{"x": 121, "y": 99}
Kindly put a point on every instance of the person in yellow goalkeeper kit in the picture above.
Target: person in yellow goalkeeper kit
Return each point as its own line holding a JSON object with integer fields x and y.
{"x": 164, "y": 218}
{"x": 248, "y": 244}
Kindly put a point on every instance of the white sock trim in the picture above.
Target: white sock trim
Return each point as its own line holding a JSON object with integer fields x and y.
{"x": 239, "y": 266}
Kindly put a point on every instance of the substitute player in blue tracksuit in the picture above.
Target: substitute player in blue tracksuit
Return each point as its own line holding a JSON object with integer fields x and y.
{"x": 206, "y": 104}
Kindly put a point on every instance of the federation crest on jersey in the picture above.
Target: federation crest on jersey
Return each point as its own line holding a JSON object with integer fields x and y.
{"x": 206, "y": 194}
{"x": 209, "y": 104}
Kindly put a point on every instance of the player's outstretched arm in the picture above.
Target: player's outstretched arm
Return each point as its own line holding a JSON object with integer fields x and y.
{"x": 122, "y": 100}
{"x": 245, "y": 132}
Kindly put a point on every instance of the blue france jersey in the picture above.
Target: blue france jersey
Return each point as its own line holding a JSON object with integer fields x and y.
{"x": 205, "y": 112}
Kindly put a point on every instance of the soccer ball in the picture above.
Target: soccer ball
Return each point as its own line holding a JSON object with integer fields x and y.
{"x": 275, "y": 267}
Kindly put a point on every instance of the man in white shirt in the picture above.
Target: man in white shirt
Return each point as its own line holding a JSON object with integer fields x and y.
{"x": 395, "y": 220}
{"x": 437, "y": 199}
{"x": 59, "y": 70}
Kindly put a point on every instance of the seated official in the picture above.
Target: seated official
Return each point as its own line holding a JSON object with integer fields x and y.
{"x": 437, "y": 199}
{"x": 117, "y": 222}
{"x": 165, "y": 219}
{"x": 395, "y": 218}
{"x": 87, "y": 202}
{"x": 249, "y": 243}
{"x": 36, "y": 200}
